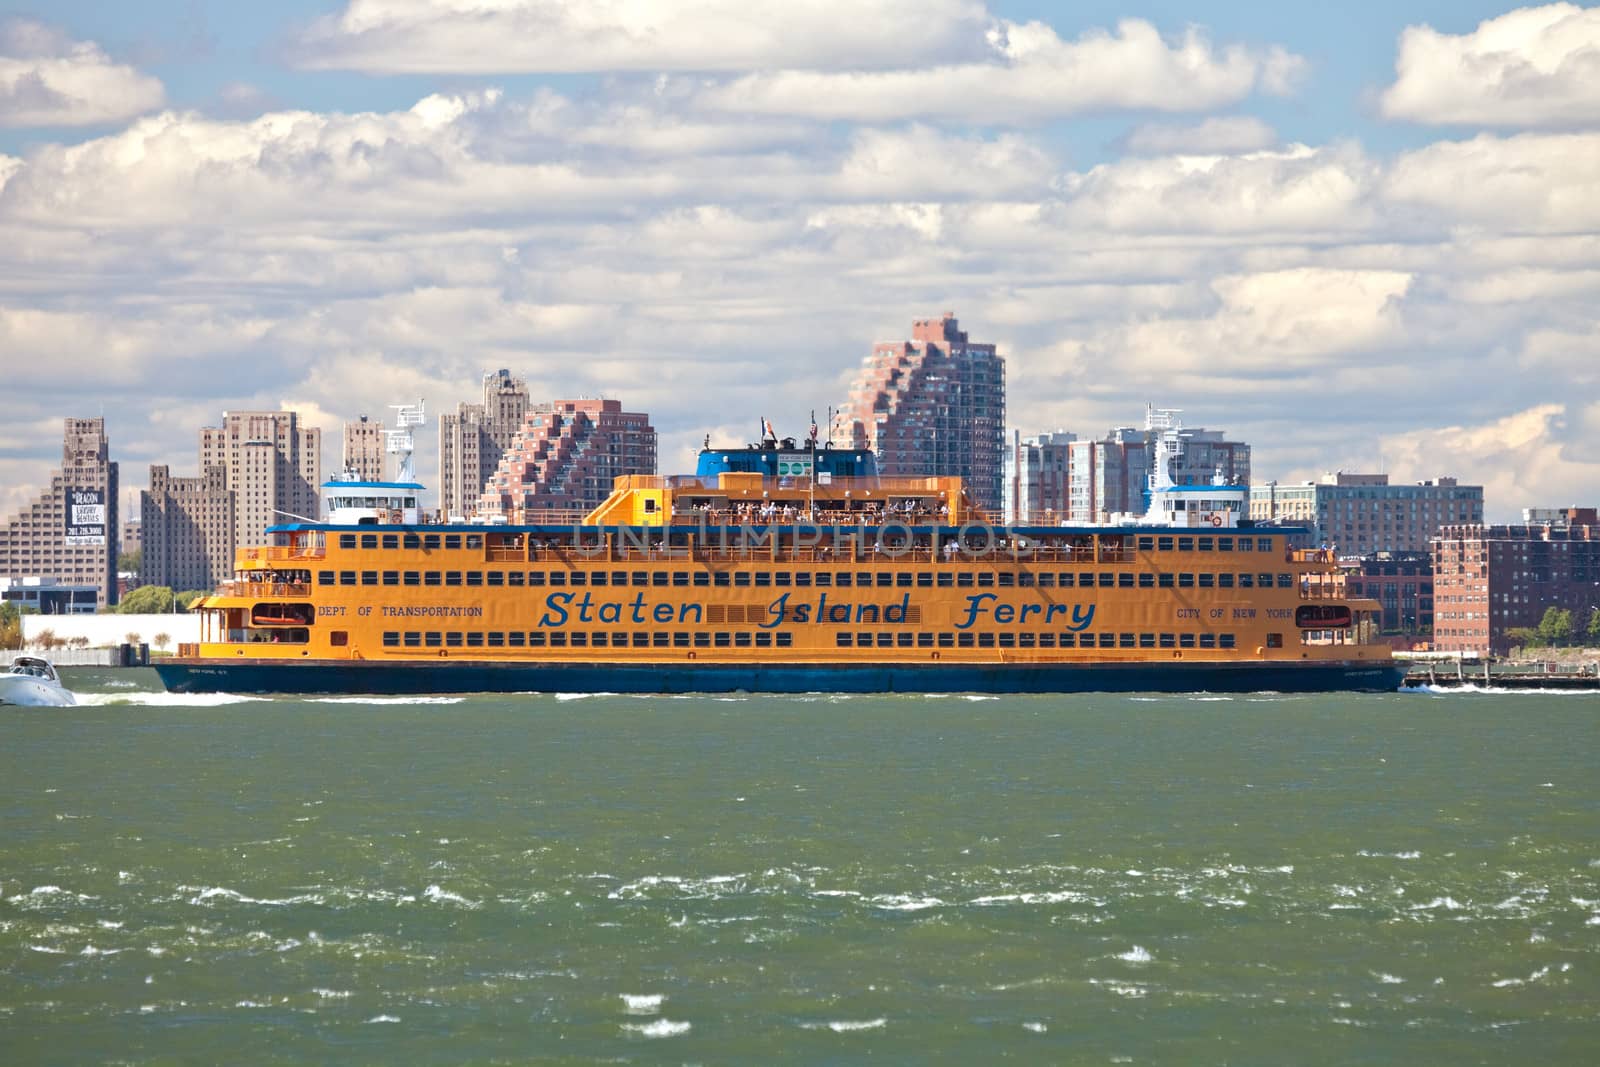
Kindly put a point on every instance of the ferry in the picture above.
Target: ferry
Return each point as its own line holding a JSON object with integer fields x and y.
{"x": 781, "y": 567}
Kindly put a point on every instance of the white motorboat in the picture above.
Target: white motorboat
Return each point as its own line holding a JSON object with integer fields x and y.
{"x": 32, "y": 681}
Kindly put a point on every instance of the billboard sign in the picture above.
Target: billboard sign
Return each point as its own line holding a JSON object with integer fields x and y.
{"x": 86, "y": 517}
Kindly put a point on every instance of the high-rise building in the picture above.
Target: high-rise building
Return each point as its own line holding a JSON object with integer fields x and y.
{"x": 1359, "y": 514}
{"x": 70, "y": 533}
{"x": 1111, "y": 476}
{"x": 273, "y": 466}
{"x": 189, "y": 529}
{"x": 933, "y": 405}
{"x": 363, "y": 450}
{"x": 472, "y": 441}
{"x": 1489, "y": 580}
{"x": 566, "y": 456}
{"x": 1036, "y": 478}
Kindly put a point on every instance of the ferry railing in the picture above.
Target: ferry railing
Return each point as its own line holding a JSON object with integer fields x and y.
{"x": 270, "y": 588}
{"x": 279, "y": 553}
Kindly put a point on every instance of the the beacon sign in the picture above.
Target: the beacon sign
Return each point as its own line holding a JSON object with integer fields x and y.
{"x": 85, "y": 515}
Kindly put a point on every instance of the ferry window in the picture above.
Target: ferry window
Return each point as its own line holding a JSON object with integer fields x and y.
{"x": 558, "y": 578}
{"x": 1069, "y": 640}
{"x": 1263, "y": 544}
{"x": 1147, "y": 580}
{"x": 452, "y": 577}
{"x": 721, "y": 639}
{"x": 1125, "y": 580}
{"x": 1124, "y": 640}
{"x": 885, "y": 578}
{"x": 1247, "y": 581}
{"x": 825, "y": 579}
{"x": 924, "y": 640}
{"x": 474, "y": 577}
{"x": 452, "y": 540}
{"x": 1285, "y": 581}
{"x": 680, "y": 577}
{"x": 660, "y": 640}
{"x": 641, "y": 578}
{"x": 945, "y": 579}
{"x": 720, "y": 578}
{"x": 1207, "y": 580}
{"x": 785, "y": 640}
{"x": 474, "y": 540}
{"x": 1024, "y": 640}
{"x": 391, "y": 638}
{"x": 742, "y": 639}
{"x": 433, "y": 639}
{"x": 619, "y": 577}
{"x": 802, "y": 578}
{"x": 412, "y": 578}
{"x": 763, "y": 639}
{"x": 1008, "y": 640}
{"x": 430, "y": 541}
{"x": 1147, "y": 640}
{"x": 782, "y": 577}
{"x": 430, "y": 577}
{"x": 369, "y": 540}
{"x": 324, "y": 577}
{"x": 641, "y": 640}
{"x": 597, "y": 578}
{"x": 496, "y": 577}
{"x": 1185, "y": 580}
{"x": 347, "y": 540}
{"x": 1007, "y": 579}
{"x": 536, "y": 577}
{"x": 659, "y": 578}
{"x": 1224, "y": 544}
{"x": 986, "y": 640}
{"x": 1264, "y": 580}
{"x": 1047, "y": 640}
{"x": 1245, "y": 544}
{"x": 741, "y": 577}
{"x": 475, "y": 639}
{"x": 1169, "y": 641}
{"x": 1146, "y": 543}
{"x": 514, "y": 638}
{"x": 1047, "y": 580}
{"x": 574, "y": 578}
{"x": 558, "y": 640}
{"x": 903, "y": 640}
{"x": 369, "y": 577}
{"x": 391, "y": 577}
{"x": 844, "y": 579}
{"x": 1186, "y": 640}
{"x": 680, "y": 640}
{"x": 1107, "y": 580}
{"x": 1165, "y": 543}
{"x": 947, "y": 640}
{"x": 413, "y": 639}
{"x": 1066, "y": 579}
{"x": 347, "y": 577}
{"x": 1225, "y": 641}
{"x": 1164, "y": 580}
{"x": 1225, "y": 581}
{"x": 391, "y": 541}
{"x": 1185, "y": 544}
{"x": 702, "y": 578}
{"x": 965, "y": 640}
{"x": 1025, "y": 580}
{"x": 1205, "y": 544}
{"x": 964, "y": 578}
{"x": 702, "y": 640}
{"x": 841, "y": 639}
{"x": 600, "y": 640}
{"x": 453, "y": 638}
{"x": 763, "y": 578}
{"x": 986, "y": 578}
{"x": 496, "y": 639}
{"x": 903, "y": 579}
{"x": 1108, "y": 640}
{"x": 1208, "y": 640}
{"x": 411, "y": 541}
{"x": 863, "y": 640}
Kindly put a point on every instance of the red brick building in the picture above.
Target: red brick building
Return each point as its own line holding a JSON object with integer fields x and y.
{"x": 1402, "y": 582}
{"x": 566, "y": 456}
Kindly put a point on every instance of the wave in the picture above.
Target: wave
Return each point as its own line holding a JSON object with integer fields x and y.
{"x": 169, "y": 700}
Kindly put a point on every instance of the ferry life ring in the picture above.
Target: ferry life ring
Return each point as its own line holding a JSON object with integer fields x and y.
{"x": 1216, "y": 520}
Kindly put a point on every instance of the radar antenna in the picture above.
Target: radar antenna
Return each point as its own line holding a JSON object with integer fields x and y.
{"x": 399, "y": 443}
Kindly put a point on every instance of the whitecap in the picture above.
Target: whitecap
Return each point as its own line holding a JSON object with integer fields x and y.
{"x": 1037, "y": 1028}
{"x": 1448, "y": 903}
{"x": 900, "y": 902}
{"x": 90, "y": 950}
{"x": 1506, "y": 983}
{"x": 1136, "y": 954}
{"x": 1388, "y": 979}
{"x": 332, "y": 994}
{"x": 641, "y": 1003}
{"x": 658, "y": 1028}
{"x": 845, "y": 1026}
{"x": 443, "y": 896}
{"x": 172, "y": 700}
{"x": 48, "y": 949}
{"x": 384, "y": 1019}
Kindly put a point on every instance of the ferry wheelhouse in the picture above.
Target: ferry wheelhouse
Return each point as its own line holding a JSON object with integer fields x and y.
{"x": 781, "y": 568}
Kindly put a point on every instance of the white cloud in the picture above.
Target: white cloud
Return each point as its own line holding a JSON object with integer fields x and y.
{"x": 1537, "y": 66}
{"x": 502, "y": 36}
{"x": 1528, "y": 458}
{"x": 1029, "y": 74}
{"x": 47, "y": 79}
{"x": 1525, "y": 183}
{"x": 1221, "y": 134}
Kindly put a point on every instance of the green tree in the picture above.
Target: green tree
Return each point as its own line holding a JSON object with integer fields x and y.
{"x": 10, "y": 625}
{"x": 130, "y": 561}
{"x": 1594, "y": 627}
{"x": 185, "y": 600}
{"x": 1525, "y": 637}
{"x": 1556, "y": 626}
{"x": 147, "y": 600}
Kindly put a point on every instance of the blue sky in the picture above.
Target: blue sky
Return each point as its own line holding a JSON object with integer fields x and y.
{"x": 1352, "y": 235}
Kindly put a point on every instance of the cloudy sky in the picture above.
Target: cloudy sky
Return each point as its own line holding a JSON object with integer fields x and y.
{"x": 1357, "y": 235}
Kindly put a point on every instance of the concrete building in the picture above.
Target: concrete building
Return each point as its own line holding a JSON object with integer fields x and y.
{"x": 49, "y": 597}
{"x": 1111, "y": 476}
{"x": 933, "y": 405}
{"x": 189, "y": 529}
{"x": 69, "y": 535}
{"x": 1036, "y": 478}
{"x": 1359, "y": 514}
{"x": 132, "y": 534}
{"x": 472, "y": 441}
{"x": 566, "y": 457}
{"x": 1489, "y": 580}
{"x": 363, "y": 452}
{"x": 1402, "y": 582}
{"x": 272, "y": 464}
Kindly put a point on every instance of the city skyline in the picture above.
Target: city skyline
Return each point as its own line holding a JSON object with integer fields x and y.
{"x": 1314, "y": 228}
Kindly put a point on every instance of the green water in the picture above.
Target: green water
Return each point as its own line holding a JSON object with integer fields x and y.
{"x": 1407, "y": 878}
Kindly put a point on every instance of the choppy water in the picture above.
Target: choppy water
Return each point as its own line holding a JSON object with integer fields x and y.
{"x": 1410, "y": 878}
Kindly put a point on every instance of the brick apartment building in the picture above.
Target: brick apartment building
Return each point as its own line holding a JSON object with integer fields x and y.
{"x": 566, "y": 457}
